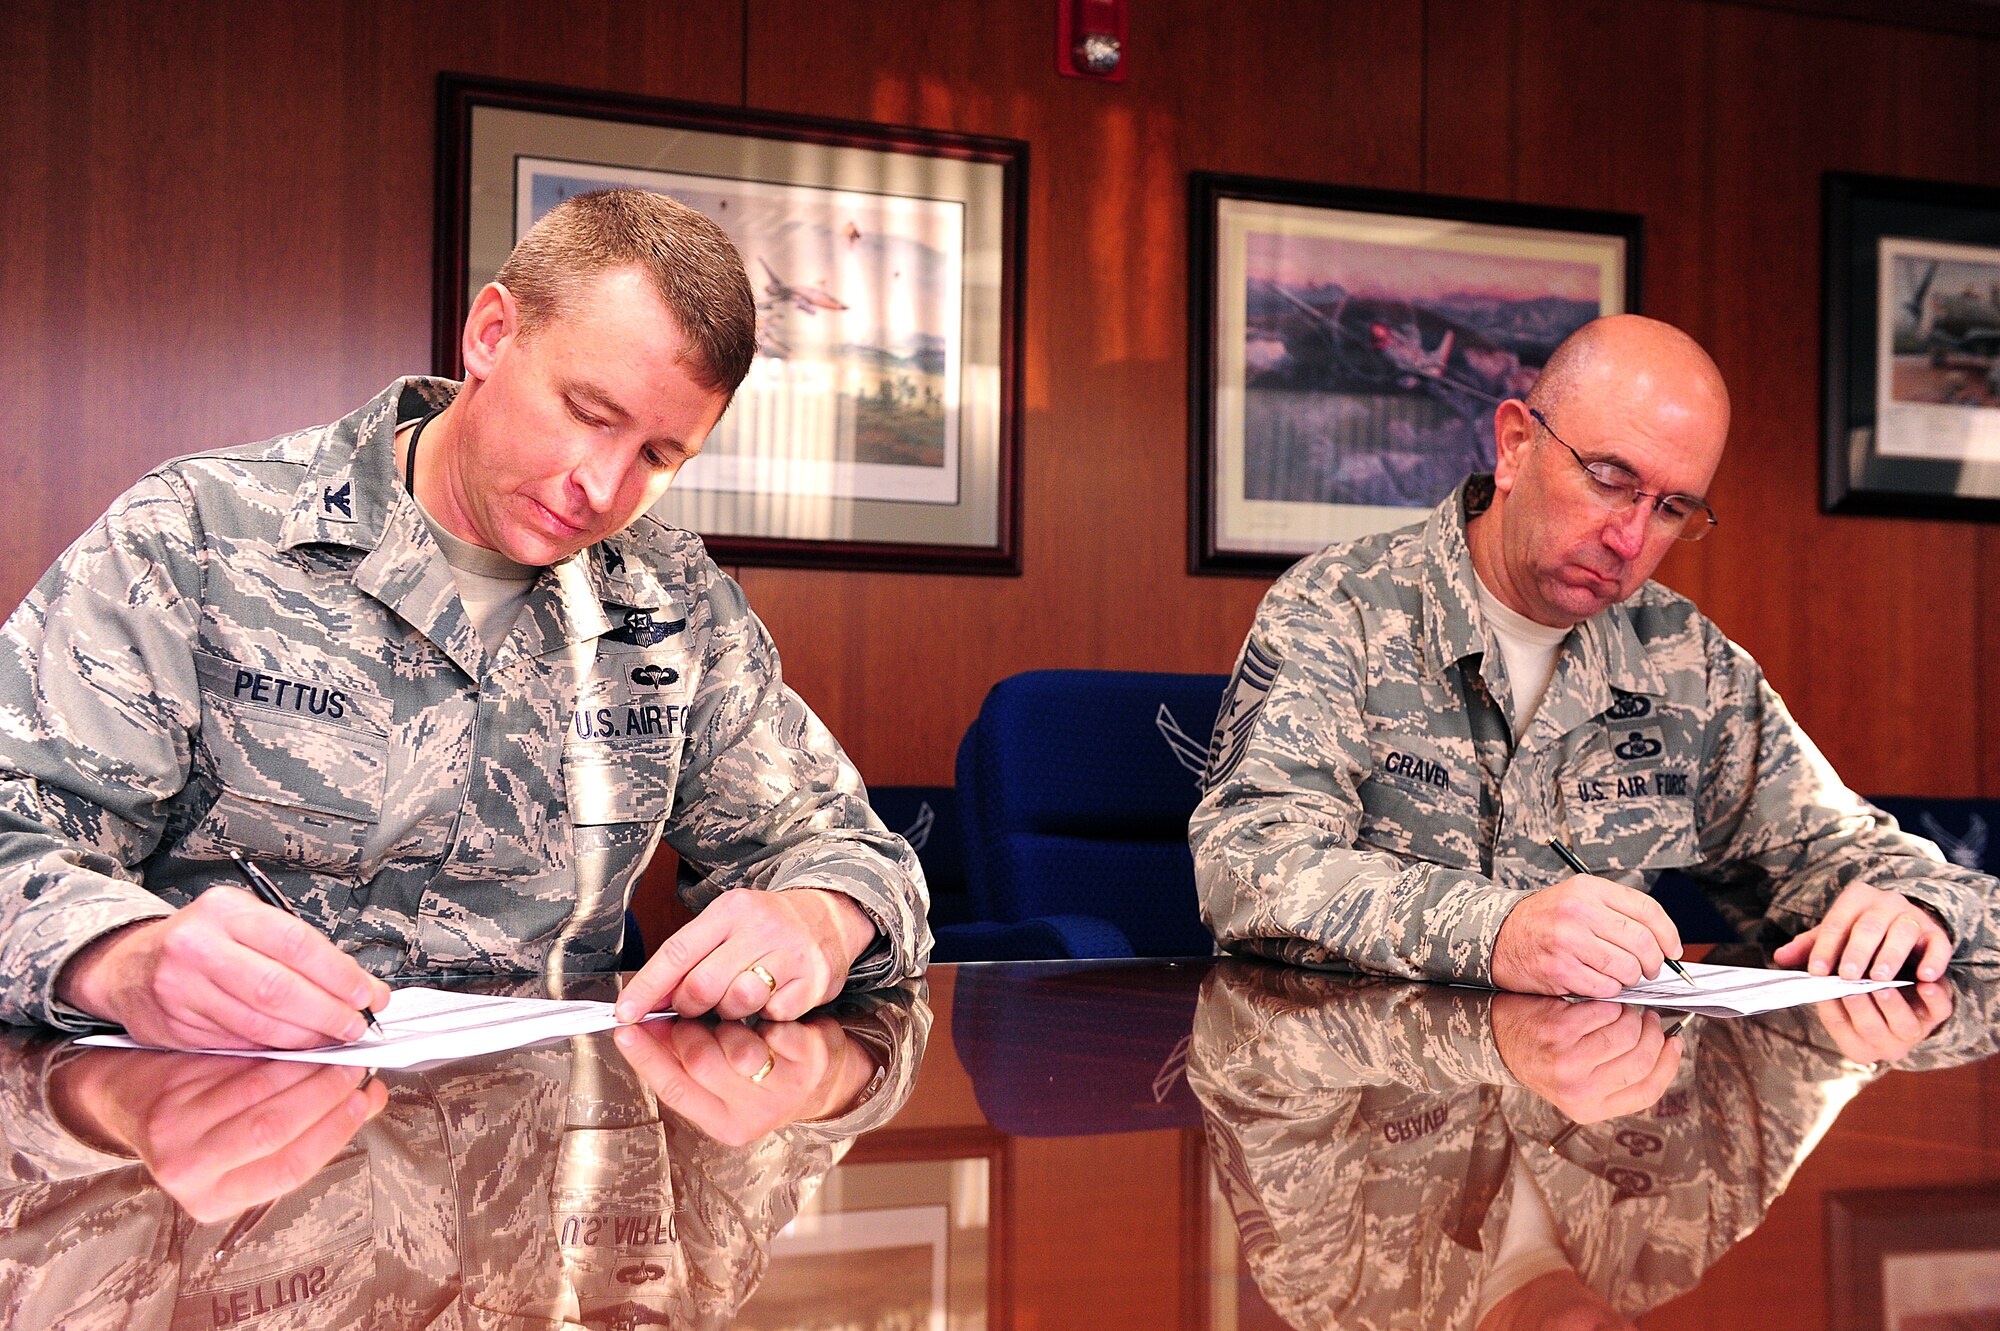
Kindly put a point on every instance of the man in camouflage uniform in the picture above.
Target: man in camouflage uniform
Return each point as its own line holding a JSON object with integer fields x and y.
{"x": 546, "y": 1187}
{"x": 1383, "y": 788}
{"x": 434, "y": 668}
{"x": 1386, "y": 1163}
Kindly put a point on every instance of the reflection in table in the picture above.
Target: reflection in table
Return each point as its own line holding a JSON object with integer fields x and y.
{"x": 1192, "y": 1144}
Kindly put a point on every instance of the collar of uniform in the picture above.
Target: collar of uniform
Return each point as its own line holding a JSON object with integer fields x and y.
{"x": 563, "y": 609}
{"x": 623, "y": 575}
{"x": 1451, "y": 630}
{"x": 1613, "y": 646}
{"x": 614, "y": 570}
{"x": 352, "y": 486}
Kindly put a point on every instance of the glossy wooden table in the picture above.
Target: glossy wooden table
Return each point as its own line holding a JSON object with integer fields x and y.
{"x": 1156, "y": 1144}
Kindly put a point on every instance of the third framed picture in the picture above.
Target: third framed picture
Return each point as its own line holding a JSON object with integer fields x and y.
{"x": 1911, "y": 346}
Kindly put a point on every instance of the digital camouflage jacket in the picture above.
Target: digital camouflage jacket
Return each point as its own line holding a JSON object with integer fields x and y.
{"x": 1368, "y": 804}
{"x": 263, "y": 649}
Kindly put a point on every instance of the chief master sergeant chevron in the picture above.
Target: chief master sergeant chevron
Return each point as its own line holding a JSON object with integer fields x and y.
{"x": 1416, "y": 715}
{"x": 434, "y": 668}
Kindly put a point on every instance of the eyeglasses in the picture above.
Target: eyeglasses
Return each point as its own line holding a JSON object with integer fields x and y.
{"x": 1617, "y": 490}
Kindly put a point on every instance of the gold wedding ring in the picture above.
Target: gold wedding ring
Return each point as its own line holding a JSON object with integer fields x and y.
{"x": 770, "y": 1061}
{"x": 767, "y": 978}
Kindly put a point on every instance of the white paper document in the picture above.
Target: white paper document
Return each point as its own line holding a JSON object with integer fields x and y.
{"x": 1742, "y": 991}
{"x": 431, "y": 1025}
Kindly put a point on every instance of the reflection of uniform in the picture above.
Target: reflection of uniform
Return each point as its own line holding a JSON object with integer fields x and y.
{"x": 264, "y": 649}
{"x": 1364, "y": 1135}
{"x": 1368, "y": 802}
{"x": 537, "y": 1188}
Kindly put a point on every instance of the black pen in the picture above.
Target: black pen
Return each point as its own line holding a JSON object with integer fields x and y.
{"x": 267, "y": 892}
{"x": 1568, "y": 857}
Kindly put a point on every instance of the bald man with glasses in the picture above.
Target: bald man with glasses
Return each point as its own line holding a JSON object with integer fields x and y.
{"x": 1416, "y": 716}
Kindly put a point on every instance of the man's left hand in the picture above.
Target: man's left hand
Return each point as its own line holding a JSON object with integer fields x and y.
{"x": 804, "y": 939}
{"x": 739, "y": 1083}
{"x": 1869, "y": 933}
{"x": 1884, "y": 1026}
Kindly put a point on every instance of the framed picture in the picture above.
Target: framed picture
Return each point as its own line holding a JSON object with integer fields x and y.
{"x": 877, "y": 427}
{"x": 1910, "y": 348}
{"x": 1348, "y": 346}
{"x": 904, "y": 1233}
{"x": 1913, "y": 1259}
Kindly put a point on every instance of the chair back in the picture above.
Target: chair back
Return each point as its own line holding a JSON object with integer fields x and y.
{"x": 1075, "y": 788}
{"x": 927, "y": 818}
{"x": 1962, "y": 828}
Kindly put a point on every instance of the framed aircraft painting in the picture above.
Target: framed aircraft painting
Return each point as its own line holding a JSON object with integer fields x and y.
{"x": 1910, "y": 347}
{"x": 878, "y": 425}
{"x": 1347, "y": 348}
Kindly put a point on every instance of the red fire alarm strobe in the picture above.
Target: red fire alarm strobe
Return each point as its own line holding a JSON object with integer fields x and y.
{"x": 1090, "y": 39}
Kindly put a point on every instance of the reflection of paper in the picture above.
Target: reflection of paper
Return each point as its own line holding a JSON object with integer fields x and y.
{"x": 429, "y": 1025}
{"x": 1740, "y": 991}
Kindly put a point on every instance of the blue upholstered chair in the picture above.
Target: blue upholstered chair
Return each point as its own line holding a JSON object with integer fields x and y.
{"x": 1695, "y": 917}
{"x": 927, "y": 818}
{"x": 632, "y": 948}
{"x": 1074, "y": 789}
{"x": 1962, "y": 828}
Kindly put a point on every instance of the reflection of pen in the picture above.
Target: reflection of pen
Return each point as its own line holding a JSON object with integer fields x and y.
{"x": 1576, "y": 865}
{"x": 267, "y": 892}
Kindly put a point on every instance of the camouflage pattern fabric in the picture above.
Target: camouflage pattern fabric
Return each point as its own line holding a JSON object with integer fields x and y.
{"x": 1362, "y": 1133}
{"x": 263, "y": 649}
{"x": 1368, "y": 804}
{"x": 537, "y": 1188}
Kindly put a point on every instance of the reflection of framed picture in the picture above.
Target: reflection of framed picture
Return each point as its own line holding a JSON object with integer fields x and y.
{"x": 1910, "y": 344}
{"x": 877, "y": 427}
{"x": 904, "y": 1233}
{"x": 1914, "y": 1259}
{"x": 1348, "y": 347}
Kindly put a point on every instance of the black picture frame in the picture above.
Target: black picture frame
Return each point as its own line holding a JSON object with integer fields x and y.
{"x": 963, "y": 387}
{"x": 1222, "y": 508}
{"x": 1889, "y": 416}
{"x": 1865, "y": 1229}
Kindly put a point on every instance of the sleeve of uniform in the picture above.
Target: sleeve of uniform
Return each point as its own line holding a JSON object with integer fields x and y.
{"x": 1276, "y": 861}
{"x": 766, "y": 799}
{"x": 98, "y": 701}
{"x": 1781, "y": 834}
{"x": 1311, "y": 1032}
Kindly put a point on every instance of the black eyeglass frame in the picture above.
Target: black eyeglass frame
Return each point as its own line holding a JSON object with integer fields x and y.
{"x": 1690, "y": 529}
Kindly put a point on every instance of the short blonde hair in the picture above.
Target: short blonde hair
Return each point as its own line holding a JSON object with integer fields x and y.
{"x": 690, "y": 261}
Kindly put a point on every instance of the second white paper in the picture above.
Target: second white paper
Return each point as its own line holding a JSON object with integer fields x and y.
{"x": 422, "y": 1025}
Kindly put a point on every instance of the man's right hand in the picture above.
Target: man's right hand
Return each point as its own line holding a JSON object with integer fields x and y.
{"x": 219, "y": 1135}
{"x": 224, "y": 971}
{"x": 1585, "y": 936}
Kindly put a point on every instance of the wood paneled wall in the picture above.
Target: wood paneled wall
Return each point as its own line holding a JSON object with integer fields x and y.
{"x": 219, "y": 227}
